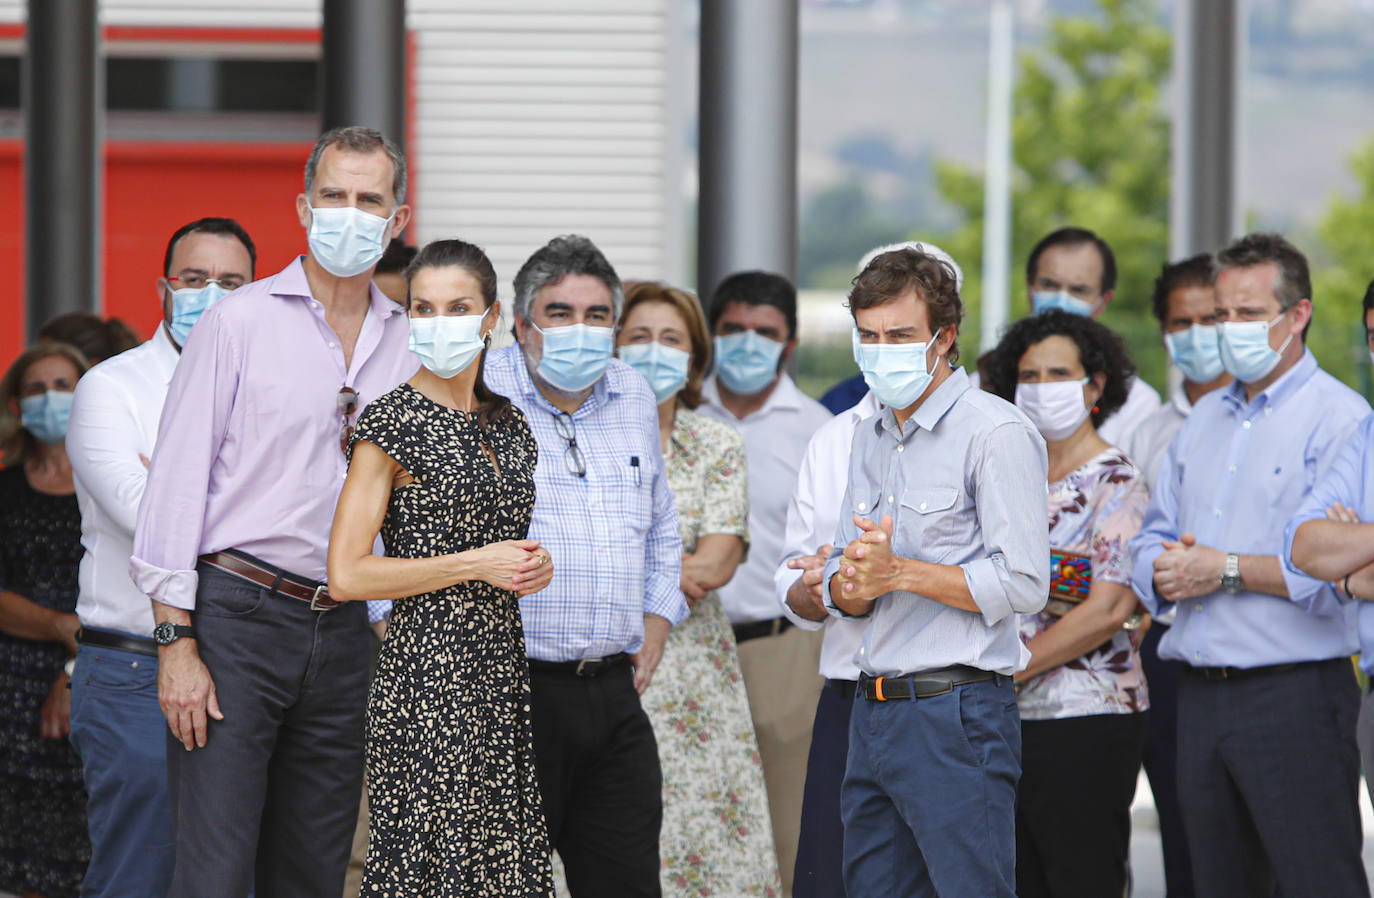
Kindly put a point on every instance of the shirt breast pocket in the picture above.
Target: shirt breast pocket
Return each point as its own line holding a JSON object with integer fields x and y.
{"x": 636, "y": 495}
{"x": 924, "y": 528}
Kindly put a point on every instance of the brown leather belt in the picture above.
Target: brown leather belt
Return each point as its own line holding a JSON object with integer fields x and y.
{"x": 254, "y": 570}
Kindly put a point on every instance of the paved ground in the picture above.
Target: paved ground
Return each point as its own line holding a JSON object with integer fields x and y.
{"x": 1147, "y": 865}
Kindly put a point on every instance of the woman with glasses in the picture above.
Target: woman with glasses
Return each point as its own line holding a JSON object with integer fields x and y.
{"x": 716, "y": 837}
{"x": 43, "y": 843}
{"x": 1083, "y": 697}
{"x": 443, "y": 469}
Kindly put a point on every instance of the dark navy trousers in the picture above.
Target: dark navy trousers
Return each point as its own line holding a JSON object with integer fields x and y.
{"x": 820, "y": 853}
{"x": 929, "y": 795}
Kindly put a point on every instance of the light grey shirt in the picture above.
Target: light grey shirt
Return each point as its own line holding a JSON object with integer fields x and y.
{"x": 966, "y": 482}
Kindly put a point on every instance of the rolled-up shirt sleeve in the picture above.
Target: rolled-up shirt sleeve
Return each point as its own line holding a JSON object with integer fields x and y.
{"x": 171, "y": 518}
{"x": 663, "y": 553}
{"x": 1011, "y": 485}
{"x": 103, "y": 445}
{"x": 1160, "y": 525}
{"x": 846, "y": 531}
{"x": 1342, "y": 482}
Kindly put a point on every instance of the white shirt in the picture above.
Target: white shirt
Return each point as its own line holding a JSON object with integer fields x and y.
{"x": 811, "y": 518}
{"x": 1147, "y": 443}
{"x": 775, "y": 436}
{"x": 113, "y": 421}
{"x": 1141, "y": 402}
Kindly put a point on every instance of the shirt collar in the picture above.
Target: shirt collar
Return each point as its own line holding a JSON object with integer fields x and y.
{"x": 292, "y": 282}
{"x": 1180, "y": 402}
{"x": 935, "y": 406}
{"x": 785, "y": 396}
{"x": 1275, "y": 394}
{"x": 865, "y": 408}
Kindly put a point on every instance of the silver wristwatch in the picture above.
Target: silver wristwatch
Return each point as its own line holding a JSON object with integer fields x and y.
{"x": 1230, "y": 575}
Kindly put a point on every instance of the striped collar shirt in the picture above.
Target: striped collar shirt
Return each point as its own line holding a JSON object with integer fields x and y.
{"x": 613, "y": 534}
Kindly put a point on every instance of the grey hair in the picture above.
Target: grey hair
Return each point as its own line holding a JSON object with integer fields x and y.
{"x": 1292, "y": 282}
{"x": 357, "y": 139}
{"x": 555, "y": 260}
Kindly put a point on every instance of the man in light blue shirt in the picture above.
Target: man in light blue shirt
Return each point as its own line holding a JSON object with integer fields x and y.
{"x": 1267, "y": 765}
{"x": 604, "y": 511}
{"x": 943, "y": 539}
{"x": 1331, "y": 539}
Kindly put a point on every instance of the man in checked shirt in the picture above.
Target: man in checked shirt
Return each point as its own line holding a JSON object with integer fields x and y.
{"x": 603, "y": 508}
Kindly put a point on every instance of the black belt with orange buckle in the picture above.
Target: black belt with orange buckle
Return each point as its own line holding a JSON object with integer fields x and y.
{"x": 922, "y": 684}
{"x": 281, "y": 582}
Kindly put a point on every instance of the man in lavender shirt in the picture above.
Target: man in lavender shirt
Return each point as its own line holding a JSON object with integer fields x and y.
{"x": 262, "y": 677}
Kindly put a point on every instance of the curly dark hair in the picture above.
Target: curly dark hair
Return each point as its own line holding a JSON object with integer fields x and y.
{"x": 1099, "y": 350}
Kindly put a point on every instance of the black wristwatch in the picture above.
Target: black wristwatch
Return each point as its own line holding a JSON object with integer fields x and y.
{"x": 167, "y": 632}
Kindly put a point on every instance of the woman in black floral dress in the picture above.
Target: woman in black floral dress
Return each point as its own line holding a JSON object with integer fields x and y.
{"x": 444, "y": 470}
{"x": 43, "y": 842}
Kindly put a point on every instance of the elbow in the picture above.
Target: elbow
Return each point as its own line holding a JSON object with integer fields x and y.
{"x": 1305, "y": 556}
{"x": 343, "y": 582}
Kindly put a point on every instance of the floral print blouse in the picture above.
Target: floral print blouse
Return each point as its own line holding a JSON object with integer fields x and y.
{"x": 1094, "y": 511}
{"x": 706, "y": 471}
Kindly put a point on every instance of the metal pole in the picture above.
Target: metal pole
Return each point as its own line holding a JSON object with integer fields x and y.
{"x": 996, "y": 299}
{"x": 364, "y": 71}
{"x": 747, "y": 150}
{"x": 62, "y": 105}
{"x": 1209, "y": 63}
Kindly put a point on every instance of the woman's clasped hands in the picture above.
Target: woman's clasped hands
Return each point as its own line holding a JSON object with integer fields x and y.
{"x": 519, "y": 565}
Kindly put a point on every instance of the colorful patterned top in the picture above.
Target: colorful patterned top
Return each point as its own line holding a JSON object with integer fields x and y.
{"x": 1095, "y": 511}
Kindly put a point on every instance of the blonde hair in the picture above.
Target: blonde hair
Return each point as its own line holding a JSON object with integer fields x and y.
{"x": 690, "y": 309}
{"x": 17, "y": 445}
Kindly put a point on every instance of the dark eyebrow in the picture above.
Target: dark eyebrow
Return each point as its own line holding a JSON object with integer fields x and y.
{"x": 200, "y": 271}
{"x": 599, "y": 308}
{"x": 557, "y": 307}
{"x": 371, "y": 196}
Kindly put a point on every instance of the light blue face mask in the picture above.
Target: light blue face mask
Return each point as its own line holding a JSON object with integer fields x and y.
{"x": 664, "y": 367}
{"x": 1196, "y": 352}
{"x": 1042, "y": 301}
{"x": 346, "y": 240}
{"x": 45, "y": 416}
{"x": 187, "y": 307}
{"x": 746, "y": 362}
{"x": 1245, "y": 350}
{"x": 446, "y": 344}
{"x": 575, "y": 355}
{"x": 895, "y": 372}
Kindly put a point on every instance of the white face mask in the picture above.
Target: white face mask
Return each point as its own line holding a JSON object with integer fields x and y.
{"x": 1057, "y": 409}
{"x": 346, "y": 240}
{"x": 446, "y": 344}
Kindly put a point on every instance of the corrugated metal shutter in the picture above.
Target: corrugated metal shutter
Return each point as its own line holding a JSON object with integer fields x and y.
{"x": 533, "y": 117}
{"x": 542, "y": 117}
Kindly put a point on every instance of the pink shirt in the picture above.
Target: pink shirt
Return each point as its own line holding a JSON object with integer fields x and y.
{"x": 248, "y": 450}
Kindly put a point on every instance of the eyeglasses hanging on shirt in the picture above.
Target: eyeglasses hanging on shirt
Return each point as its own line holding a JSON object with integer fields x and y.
{"x": 572, "y": 457}
{"x": 348, "y": 404}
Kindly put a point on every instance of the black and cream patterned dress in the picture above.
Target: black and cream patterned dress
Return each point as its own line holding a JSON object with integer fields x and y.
{"x": 43, "y": 843}
{"x": 454, "y": 803}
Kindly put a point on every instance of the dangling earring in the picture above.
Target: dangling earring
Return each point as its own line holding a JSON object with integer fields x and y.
{"x": 486, "y": 340}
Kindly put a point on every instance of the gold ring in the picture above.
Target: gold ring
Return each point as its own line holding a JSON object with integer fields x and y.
{"x": 543, "y": 559}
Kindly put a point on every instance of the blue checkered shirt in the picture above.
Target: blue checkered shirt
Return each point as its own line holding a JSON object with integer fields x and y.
{"x": 613, "y": 535}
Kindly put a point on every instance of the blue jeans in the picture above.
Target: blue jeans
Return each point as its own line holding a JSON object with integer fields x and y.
{"x": 120, "y": 734}
{"x": 929, "y": 795}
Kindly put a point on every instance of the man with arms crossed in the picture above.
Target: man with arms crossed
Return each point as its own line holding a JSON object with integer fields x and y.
{"x": 116, "y": 720}
{"x": 262, "y": 676}
{"x": 943, "y": 541}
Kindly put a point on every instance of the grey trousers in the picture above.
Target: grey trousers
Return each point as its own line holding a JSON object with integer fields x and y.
{"x": 1364, "y": 734}
{"x": 272, "y": 799}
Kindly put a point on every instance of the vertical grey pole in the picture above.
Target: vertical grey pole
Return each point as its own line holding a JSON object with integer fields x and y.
{"x": 747, "y": 149}
{"x": 62, "y": 102}
{"x": 364, "y": 71}
{"x": 1209, "y": 64}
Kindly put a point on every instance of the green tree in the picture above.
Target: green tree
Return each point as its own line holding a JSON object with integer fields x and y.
{"x": 1090, "y": 146}
{"x": 1341, "y": 272}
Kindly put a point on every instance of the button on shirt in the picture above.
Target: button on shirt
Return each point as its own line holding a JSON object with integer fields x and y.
{"x": 1234, "y": 475}
{"x": 1350, "y": 481}
{"x": 248, "y": 450}
{"x": 775, "y": 437}
{"x": 967, "y": 484}
{"x": 812, "y": 516}
{"x": 114, "y": 421}
{"x": 613, "y": 534}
